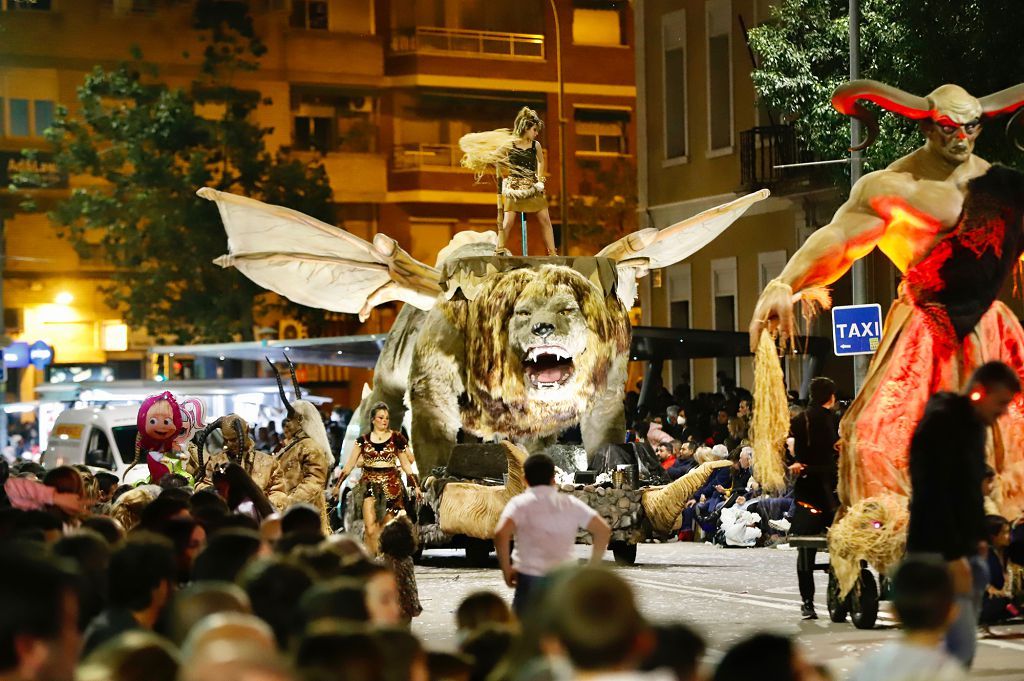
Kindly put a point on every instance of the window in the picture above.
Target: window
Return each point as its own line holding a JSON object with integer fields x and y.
{"x": 25, "y": 117}
{"x": 680, "y": 317}
{"x": 724, "y": 306}
{"x": 311, "y": 14}
{"x": 673, "y": 45}
{"x": 718, "y": 18}
{"x": 601, "y": 132}
{"x": 326, "y": 122}
{"x": 599, "y": 26}
{"x": 31, "y": 5}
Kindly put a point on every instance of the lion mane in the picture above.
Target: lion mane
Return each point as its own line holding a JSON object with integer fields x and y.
{"x": 496, "y": 398}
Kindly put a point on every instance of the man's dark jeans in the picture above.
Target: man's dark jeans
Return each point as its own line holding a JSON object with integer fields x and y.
{"x": 525, "y": 586}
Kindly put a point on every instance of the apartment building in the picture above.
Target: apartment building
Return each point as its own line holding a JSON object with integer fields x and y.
{"x": 378, "y": 90}
{"x": 704, "y": 140}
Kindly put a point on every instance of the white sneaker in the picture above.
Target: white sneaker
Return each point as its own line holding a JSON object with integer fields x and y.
{"x": 782, "y": 525}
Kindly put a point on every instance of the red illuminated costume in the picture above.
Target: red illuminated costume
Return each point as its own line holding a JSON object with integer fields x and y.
{"x": 381, "y": 469}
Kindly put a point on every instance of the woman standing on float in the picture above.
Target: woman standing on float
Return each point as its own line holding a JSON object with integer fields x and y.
{"x": 380, "y": 453}
{"x": 518, "y": 160}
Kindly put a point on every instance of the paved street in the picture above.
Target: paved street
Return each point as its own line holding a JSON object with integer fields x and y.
{"x": 724, "y": 593}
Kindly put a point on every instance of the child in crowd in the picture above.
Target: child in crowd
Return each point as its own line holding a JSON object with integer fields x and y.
{"x": 397, "y": 547}
{"x": 923, "y": 597}
{"x": 997, "y": 604}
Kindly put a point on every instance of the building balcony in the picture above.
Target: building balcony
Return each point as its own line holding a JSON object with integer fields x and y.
{"x": 763, "y": 150}
{"x": 458, "y": 42}
{"x": 420, "y": 157}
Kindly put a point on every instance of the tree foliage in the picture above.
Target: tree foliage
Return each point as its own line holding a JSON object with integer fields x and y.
{"x": 152, "y": 146}
{"x": 915, "y": 45}
{"x": 605, "y": 208}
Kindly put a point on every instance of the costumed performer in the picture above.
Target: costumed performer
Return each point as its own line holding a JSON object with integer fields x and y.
{"x": 299, "y": 475}
{"x": 517, "y": 158}
{"x": 380, "y": 453}
{"x": 233, "y": 446}
{"x": 951, "y": 223}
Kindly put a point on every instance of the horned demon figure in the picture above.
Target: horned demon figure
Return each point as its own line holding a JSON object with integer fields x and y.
{"x": 300, "y": 472}
{"x": 951, "y": 224}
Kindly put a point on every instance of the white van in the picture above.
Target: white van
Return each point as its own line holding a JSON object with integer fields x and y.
{"x": 103, "y": 439}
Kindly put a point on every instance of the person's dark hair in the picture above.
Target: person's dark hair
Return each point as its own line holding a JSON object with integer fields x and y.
{"x": 33, "y": 591}
{"x": 275, "y": 586}
{"x": 398, "y": 539}
{"x": 162, "y": 509}
{"x": 480, "y": 608}
{"x": 677, "y": 647}
{"x": 90, "y": 553}
{"x": 226, "y": 553}
{"x": 65, "y": 479}
{"x": 131, "y": 656}
{"x": 448, "y": 666}
{"x": 378, "y": 406}
{"x": 207, "y": 498}
{"x": 175, "y": 481}
{"x": 120, "y": 490}
{"x": 137, "y": 567}
{"x": 198, "y": 600}
{"x": 596, "y": 619}
{"x": 105, "y": 526}
{"x": 487, "y": 646}
{"x": 106, "y": 482}
{"x": 38, "y": 521}
{"x": 289, "y": 542}
{"x": 994, "y": 524}
{"x": 539, "y": 469}
{"x": 403, "y": 648}
{"x": 320, "y": 560}
{"x": 821, "y": 390}
{"x": 923, "y": 593}
{"x": 995, "y": 374}
{"x": 301, "y": 518}
{"x": 341, "y": 652}
{"x": 772, "y": 655}
{"x": 341, "y": 599}
{"x": 236, "y": 521}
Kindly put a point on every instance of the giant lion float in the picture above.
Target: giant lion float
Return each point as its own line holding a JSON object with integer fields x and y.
{"x": 513, "y": 348}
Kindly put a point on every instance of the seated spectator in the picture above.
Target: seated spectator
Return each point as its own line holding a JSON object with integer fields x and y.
{"x": 132, "y": 656}
{"x": 597, "y": 624}
{"x": 479, "y": 609}
{"x": 275, "y": 586}
{"x": 720, "y": 427}
{"x": 738, "y": 526}
{"x": 997, "y": 604}
{"x": 923, "y": 599}
{"x": 665, "y": 455}
{"x": 684, "y": 461}
{"x": 142, "y": 575}
{"x": 39, "y": 636}
{"x": 226, "y": 554}
{"x": 198, "y": 601}
{"x": 656, "y": 435}
{"x": 677, "y": 647}
{"x": 774, "y": 656}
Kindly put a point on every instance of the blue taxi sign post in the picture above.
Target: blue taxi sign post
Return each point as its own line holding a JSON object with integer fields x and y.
{"x": 856, "y": 329}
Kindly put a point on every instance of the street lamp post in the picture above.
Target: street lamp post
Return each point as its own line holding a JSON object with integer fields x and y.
{"x": 563, "y": 203}
{"x": 858, "y": 272}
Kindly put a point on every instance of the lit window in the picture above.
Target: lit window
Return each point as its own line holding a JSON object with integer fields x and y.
{"x": 601, "y": 132}
{"x": 311, "y": 14}
{"x": 596, "y": 27}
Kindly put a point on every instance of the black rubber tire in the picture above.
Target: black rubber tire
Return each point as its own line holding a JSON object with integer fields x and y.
{"x": 624, "y": 552}
{"x": 478, "y": 552}
{"x": 837, "y": 607}
{"x": 863, "y": 600}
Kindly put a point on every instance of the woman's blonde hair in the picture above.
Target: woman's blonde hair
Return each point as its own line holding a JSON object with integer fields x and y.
{"x": 525, "y": 119}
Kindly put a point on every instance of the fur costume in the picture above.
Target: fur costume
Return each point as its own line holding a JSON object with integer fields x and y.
{"x": 477, "y": 348}
{"x": 237, "y": 447}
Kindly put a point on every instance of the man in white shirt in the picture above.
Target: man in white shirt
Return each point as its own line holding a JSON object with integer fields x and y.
{"x": 545, "y": 523}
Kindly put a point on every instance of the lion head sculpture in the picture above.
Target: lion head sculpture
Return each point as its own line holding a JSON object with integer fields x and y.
{"x": 540, "y": 344}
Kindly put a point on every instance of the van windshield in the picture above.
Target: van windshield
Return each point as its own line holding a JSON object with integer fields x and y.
{"x": 124, "y": 437}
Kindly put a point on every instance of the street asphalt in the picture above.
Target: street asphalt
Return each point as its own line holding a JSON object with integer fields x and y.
{"x": 725, "y": 594}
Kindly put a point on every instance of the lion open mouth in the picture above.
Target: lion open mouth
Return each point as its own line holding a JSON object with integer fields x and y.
{"x": 548, "y": 366}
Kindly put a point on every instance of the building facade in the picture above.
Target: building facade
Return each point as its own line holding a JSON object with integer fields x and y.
{"x": 703, "y": 141}
{"x": 379, "y": 91}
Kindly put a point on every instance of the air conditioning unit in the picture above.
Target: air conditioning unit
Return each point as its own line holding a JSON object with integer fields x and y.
{"x": 361, "y": 104}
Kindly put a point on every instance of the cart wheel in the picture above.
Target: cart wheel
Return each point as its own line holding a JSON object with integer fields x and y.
{"x": 478, "y": 552}
{"x": 863, "y": 601}
{"x": 837, "y": 607}
{"x": 624, "y": 552}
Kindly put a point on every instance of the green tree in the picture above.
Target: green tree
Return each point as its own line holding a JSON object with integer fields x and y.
{"x": 153, "y": 146}
{"x": 916, "y": 45}
{"x": 605, "y": 208}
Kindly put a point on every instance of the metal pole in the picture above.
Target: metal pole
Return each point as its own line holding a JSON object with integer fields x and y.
{"x": 3, "y": 326}
{"x": 858, "y": 272}
{"x": 563, "y": 202}
{"x": 522, "y": 219}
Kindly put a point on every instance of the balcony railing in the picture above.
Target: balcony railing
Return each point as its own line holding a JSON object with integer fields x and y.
{"x": 418, "y": 156}
{"x": 460, "y": 42}
{"x": 764, "y": 148}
